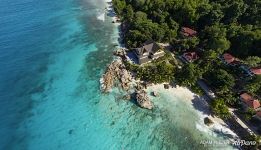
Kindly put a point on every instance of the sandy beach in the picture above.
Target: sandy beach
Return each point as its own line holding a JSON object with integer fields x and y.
{"x": 199, "y": 104}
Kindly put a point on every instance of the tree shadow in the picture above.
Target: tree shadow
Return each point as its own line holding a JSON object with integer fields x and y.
{"x": 201, "y": 104}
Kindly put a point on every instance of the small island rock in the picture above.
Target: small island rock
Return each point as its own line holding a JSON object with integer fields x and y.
{"x": 143, "y": 100}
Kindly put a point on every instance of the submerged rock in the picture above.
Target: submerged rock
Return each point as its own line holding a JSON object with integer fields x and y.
{"x": 208, "y": 121}
{"x": 70, "y": 131}
{"x": 127, "y": 97}
{"x": 143, "y": 100}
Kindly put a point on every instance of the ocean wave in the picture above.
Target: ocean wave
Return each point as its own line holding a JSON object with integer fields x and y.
{"x": 101, "y": 17}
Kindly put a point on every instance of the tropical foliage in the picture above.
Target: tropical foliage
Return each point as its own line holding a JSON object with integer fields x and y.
{"x": 220, "y": 109}
{"x": 232, "y": 25}
{"x": 221, "y": 80}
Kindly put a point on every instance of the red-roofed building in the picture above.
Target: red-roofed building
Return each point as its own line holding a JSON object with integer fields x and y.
{"x": 246, "y": 97}
{"x": 249, "y": 101}
{"x": 228, "y": 58}
{"x": 188, "y": 32}
{"x": 253, "y": 104}
{"x": 251, "y": 71}
{"x": 190, "y": 56}
{"x": 256, "y": 71}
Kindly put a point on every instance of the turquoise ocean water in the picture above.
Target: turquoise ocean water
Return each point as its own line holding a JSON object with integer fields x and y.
{"x": 53, "y": 54}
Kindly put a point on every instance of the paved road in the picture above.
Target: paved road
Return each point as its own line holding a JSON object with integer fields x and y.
{"x": 240, "y": 122}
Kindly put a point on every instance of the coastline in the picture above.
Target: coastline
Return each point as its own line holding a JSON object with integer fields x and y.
{"x": 219, "y": 126}
{"x": 182, "y": 92}
{"x": 199, "y": 104}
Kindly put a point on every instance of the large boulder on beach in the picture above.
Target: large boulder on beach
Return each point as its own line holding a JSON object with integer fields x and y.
{"x": 208, "y": 121}
{"x": 143, "y": 100}
{"x": 154, "y": 93}
{"x": 166, "y": 86}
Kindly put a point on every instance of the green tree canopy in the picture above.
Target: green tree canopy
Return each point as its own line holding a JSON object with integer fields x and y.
{"x": 253, "y": 61}
{"x": 220, "y": 109}
{"x": 221, "y": 80}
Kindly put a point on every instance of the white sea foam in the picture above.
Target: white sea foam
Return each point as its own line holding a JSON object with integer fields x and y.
{"x": 202, "y": 128}
{"x": 101, "y": 17}
{"x": 186, "y": 95}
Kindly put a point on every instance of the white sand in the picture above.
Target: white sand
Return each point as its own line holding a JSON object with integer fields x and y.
{"x": 185, "y": 94}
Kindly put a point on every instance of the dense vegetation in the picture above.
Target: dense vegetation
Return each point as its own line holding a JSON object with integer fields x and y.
{"x": 232, "y": 26}
{"x": 220, "y": 109}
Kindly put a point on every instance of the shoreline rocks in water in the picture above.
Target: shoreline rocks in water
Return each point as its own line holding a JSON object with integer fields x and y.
{"x": 143, "y": 100}
{"x": 208, "y": 121}
{"x": 155, "y": 94}
{"x": 121, "y": 53}
{"x": 127, "y": 97}
{"x": 116, "y": 70}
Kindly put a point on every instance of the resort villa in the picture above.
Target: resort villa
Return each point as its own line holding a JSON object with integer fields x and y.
{"x": 249, "y": 102}
{"x": 254, "y": 71}
{"x": 187, "y": 32}
{"x": 149, "y": 51}
{"x": 228, "y": 59}
{"x": 190, "y": 56}
{"x": 250, "y": 72}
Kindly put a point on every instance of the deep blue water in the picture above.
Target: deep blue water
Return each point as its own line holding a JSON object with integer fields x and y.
{"x": 34, "y": 34}
{"x": 52, "y": 55}
{"x": 25, "y": 45}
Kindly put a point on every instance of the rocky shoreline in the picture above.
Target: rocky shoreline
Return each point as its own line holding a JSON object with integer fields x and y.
{"x": 117, "y": 71}
{"x": 143, "y": 100}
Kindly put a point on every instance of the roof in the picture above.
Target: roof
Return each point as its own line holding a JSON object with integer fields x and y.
{"x": 253, "y": 104}
{"x": 190, "y": 56}
{"x": 149, "y": 46}
{"x": 228, "y": 58}
{"x": 256, "y": 71}
{"x": 188, "y": 31}
{"x": 235, "y": 62}
{"x": 246, "y": 97}
{"x": 250, "y": 101}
